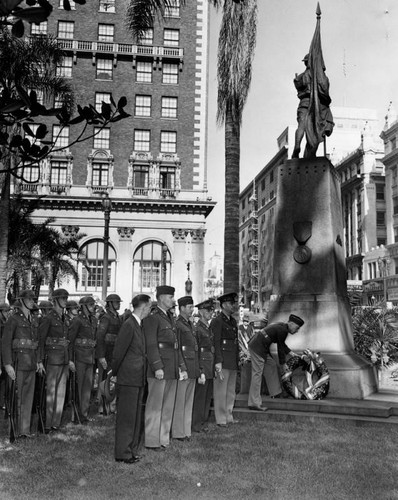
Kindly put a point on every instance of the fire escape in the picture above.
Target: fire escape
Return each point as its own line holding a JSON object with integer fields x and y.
{"x": 254, "y": 248}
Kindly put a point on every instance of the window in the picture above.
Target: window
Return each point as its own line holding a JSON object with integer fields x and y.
{"x": 31, "y": 173}
{"x": 59, "y": 171}
{"x": 144, "y": 72}
{"x": 271, "y": 194}
{"x": 263, "y": 184}
{"x": 394, "y": 176}
{"x": 107, "y": 5}
{"x": 60, "y": 136}
{"x": 147, "y": 37}
{"x": 71, "y": 2}
{"x": 271, "y": 176}
{"x": 168, "y": 142}
{"x": 380, "y": 192}
{"x": 143, "y": 105}
{"x": 243, "y": 203}
{"x": 170, "y": 73}
{"x": 64, "y": 70}
{"x": 149, "y": 261}
{"x": 169, "y": 107}
{"x": 142, "y": 140}
{"x": 66, "y": 29}
{"x": 167, "y": 177}
{"x": 173, "y": 9}
{"x": 92, "y": 271}
{"x": 100, "y": 174}
{"x": 101, "y": 138}
{"x": 380, "y": 218}
{"x": 106, "y": 32}
{"x": 171, "y": 37}
{"x": 101, "y": 97}
{"x": 39, "y": 29}
{"x": 141, "y": 176}
{"x": 104, "y": 69}
{"x": 381, "y": 241}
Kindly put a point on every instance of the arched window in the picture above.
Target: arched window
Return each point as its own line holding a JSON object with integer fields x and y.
{"x": 152, "y": 267}
{"x": 92, "y": 266}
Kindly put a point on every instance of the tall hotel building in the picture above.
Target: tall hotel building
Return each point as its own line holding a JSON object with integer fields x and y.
{"x": 152, "y": 165}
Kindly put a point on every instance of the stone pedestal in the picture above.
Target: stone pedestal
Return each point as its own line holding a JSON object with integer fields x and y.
{"x": 309, "y": 276}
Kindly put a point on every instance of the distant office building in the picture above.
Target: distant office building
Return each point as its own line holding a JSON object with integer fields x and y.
{"x": 214, "y": 279}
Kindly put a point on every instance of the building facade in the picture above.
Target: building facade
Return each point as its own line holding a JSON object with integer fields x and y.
{"x": 151, "y": 166}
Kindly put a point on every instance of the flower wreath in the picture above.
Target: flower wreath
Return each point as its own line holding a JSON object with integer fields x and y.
{"x": 316, "y": 374}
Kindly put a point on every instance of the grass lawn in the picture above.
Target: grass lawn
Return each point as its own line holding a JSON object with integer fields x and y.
{"x": 305, "y": 459}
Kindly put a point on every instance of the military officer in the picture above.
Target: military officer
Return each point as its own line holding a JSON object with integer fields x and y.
{"x": 82, "y": 335}
{"x": 129, "y": 368}
{"x": 5, "y": 310}
{"x": 54, "y": 342}
{"x": 108, "y": 327}
{"x": 204, "y": 384}
{"x": 21, "y": 357}
{"x": 45, "y": 306}
{"x": 225, "y": 331}
{"x": 182, "y": 418}
{"x": 165, "y": 366}
{"x": 71, "y": 309}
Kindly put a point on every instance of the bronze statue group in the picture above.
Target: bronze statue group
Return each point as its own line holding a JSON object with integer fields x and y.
{"x": 166, "y": 369}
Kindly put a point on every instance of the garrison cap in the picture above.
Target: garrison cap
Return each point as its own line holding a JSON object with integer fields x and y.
{"x": 185, "y": 301}
{"x": 86, "y": 300}
{"x": 228, "y": 297}
{"x": 60, "y": 293}
{"x": 165, "y": 290}
{"x": 72, "y": 304}
{"x": 207, "y": 304}
{"x": 4, "y": 307}
{"x": 27, "y": 294}
{"x": 113, "y": 297}
{"x": 108, "y": 388}
{"x": 45, "y": 304}
{"x": 296, "y": 319}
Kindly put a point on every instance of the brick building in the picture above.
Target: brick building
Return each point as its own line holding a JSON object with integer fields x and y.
{"x": 152, "y": 165}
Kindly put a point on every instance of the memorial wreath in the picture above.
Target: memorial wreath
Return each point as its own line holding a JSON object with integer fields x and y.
{"x": 315, "y": 382}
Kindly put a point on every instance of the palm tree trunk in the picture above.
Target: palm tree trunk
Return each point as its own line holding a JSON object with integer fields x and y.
{"x": 231, "y": 231}
{"x": 4, "y": 226}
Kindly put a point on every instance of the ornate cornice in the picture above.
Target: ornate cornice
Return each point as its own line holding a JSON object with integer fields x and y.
{"x": 179, "y": 234}
{"x": 125, "y": 233}
{"x": 70, "y": 230}
{"x": 198, "y": 234}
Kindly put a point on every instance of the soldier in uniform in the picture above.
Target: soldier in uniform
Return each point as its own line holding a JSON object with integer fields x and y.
{"x": 129, "y": 368}
{"x": 165, "y": 366}
{"x": 54, "y": 342}
{"x": 204, "y": 384}
{"x": 45, "y": 307}
{"x": 21, "y": 357}
{"x": 71, "y": 309}
{"x": 82, "y": 336}
{"x": 5, "y": 310}
{"x": 182, "y": 418}
{"x": 225, "y": 331}
{"x": 108, "y": 328}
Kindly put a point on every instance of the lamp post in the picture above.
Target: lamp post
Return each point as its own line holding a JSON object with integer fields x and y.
{"x": 384, "y": 264}
{"x": 188, "y": 283}
{"x": 107, "y": 207}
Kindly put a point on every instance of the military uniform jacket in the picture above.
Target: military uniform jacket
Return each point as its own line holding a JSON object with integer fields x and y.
{"x": 225, "y": 331}
{"x": 108, "y": 329}
{"x": 20, "y": 342}
{"x": 2, "y": 323}
{"x": 275, "y": 333}
{"x": 189, "y": 346}
{"x": 204, "y": 337}
{"x": 129, "y": 356}
{"x": 162, "y": 347}
{"x": 82, "y": 339}
{"x": 54, "y": 338}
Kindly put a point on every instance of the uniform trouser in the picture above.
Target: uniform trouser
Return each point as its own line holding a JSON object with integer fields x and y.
{"x": 201, "y": 404}
{"x": 26, "y": 390}
{"x": 84, "y": 372}
{"x": 182, "y": 417}
{"x": 268, "y": 369}
{"x": 224, "y": 396}
{"x": 159, "y": 412}
{"x": 57, "y": 376}
{"x": 128, "y": 420}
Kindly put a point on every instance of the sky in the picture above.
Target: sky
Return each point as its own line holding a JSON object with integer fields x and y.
{"x": 360, "y": 49}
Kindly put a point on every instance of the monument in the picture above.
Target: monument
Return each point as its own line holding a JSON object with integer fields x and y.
{"x": 309, "y": 275}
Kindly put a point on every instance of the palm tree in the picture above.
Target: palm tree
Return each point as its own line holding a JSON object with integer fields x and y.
{"x": 26, "y": 64}
{"x": 235, "y": 55}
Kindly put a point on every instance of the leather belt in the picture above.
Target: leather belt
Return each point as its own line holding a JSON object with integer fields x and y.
{"x": 168, "y": 345}
{"x": 56, "y": 341}
{"x": 85, "y": 343}
{"x": 188, "y": 348}
{"x": 24, "y": 344}
{"x": 207, "y": 349}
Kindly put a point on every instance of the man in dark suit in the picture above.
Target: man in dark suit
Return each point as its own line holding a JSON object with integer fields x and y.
{"x": 165, "y": 367}
{"x": 129, "y": 368}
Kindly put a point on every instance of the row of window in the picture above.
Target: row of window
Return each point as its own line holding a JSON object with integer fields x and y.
{"x": 106, "y": 33}
{"x": 172, "y": 9}
{"x": 104, "y": 70}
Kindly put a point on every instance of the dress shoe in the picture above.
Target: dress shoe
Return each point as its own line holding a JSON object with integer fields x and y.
{"x": 131, "y": 460}
{"x": 258, "y": 408}
{"x": 221, "y": 425}
{"x": 157, "y": 448}
{"x": 234, "y": 421}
